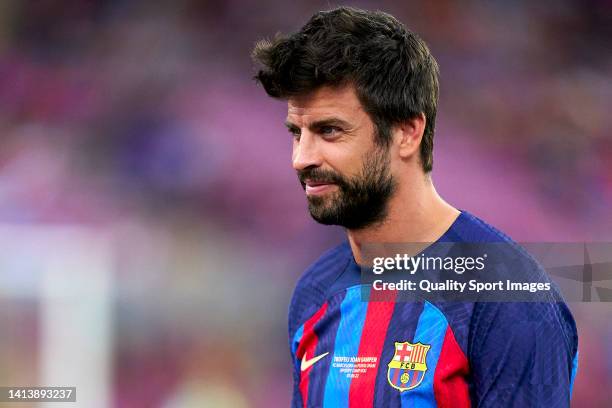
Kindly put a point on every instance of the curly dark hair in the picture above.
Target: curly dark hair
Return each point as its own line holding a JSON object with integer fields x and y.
{"x": 394, "y": 74}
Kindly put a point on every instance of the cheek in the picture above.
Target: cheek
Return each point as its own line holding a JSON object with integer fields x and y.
{"x": 345, "y": 163}
{"x": 351, "y": 157}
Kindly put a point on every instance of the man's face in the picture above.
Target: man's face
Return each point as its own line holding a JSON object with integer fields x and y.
{"x": 343, "y": 171}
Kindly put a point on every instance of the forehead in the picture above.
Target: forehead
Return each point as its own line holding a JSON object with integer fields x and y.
{"x": 326, "y": 101}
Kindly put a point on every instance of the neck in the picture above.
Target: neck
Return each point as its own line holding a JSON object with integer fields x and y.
{"x": 415, "y": 213}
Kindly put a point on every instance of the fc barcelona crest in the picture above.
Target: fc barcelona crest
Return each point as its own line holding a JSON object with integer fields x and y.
{"x": 408, "y": 365}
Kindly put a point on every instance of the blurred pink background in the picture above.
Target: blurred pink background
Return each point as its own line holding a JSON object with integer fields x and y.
{"x": 151, "y": 226}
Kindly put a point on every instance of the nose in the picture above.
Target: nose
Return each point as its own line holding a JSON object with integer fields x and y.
{"x": 306, "y": 152}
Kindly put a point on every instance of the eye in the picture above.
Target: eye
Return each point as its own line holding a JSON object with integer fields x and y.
{"x": 295, "y": 132}
{"x": 329, "y": 131}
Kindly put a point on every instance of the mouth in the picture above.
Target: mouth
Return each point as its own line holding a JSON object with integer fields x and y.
{"x": 317, "y": 187}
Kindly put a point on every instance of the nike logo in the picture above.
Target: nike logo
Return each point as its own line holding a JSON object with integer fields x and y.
{"x": 306, "y": 364}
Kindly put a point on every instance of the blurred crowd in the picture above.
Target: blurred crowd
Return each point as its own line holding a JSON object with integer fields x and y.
{"x": 141, "y": 119}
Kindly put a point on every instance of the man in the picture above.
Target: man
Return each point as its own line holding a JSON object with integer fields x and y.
{"x": 362, "y": 94}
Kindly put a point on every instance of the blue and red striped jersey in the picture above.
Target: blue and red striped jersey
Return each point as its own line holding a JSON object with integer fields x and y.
{"x": 348, "y": 352}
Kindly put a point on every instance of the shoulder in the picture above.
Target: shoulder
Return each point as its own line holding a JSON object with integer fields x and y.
{"x": 470, "y": 228}
{"x": 539, "y": 325}
{"x": 325, "y": 268}
{"x": 311, "y": 289}
{"x": 506, "y": 258}
{"x": 479, "y": 322}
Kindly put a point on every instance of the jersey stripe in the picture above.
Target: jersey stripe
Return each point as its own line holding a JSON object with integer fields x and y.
{"x": 450, "y": 385}
{"x": 402, "y": 328}
{"x": 352, "y": 317}
{"x": 377, "y": 320}
{"x": 328, "y": 327}
{"x": 296, "y": 339}
{"x": 574, "y": 370}
{"x": 307, "y": 348}
{"x": 431, "y": 330}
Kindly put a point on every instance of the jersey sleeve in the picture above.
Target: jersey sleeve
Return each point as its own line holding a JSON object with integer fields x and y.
{"x": 309, "y": 295}
{"x": 295, "y": 333}
{"x": 306, "y": 298}
{"x": 522, "y": 354}
{"x": 296, "y": 398}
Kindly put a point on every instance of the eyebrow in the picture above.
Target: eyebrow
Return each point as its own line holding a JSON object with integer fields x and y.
{"x": 321, "y": 123}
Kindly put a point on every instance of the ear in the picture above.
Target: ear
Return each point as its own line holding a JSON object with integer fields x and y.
{"x": 409, "y": 134}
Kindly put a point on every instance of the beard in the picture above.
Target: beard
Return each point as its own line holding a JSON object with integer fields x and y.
{"x": 360, "y": 201}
